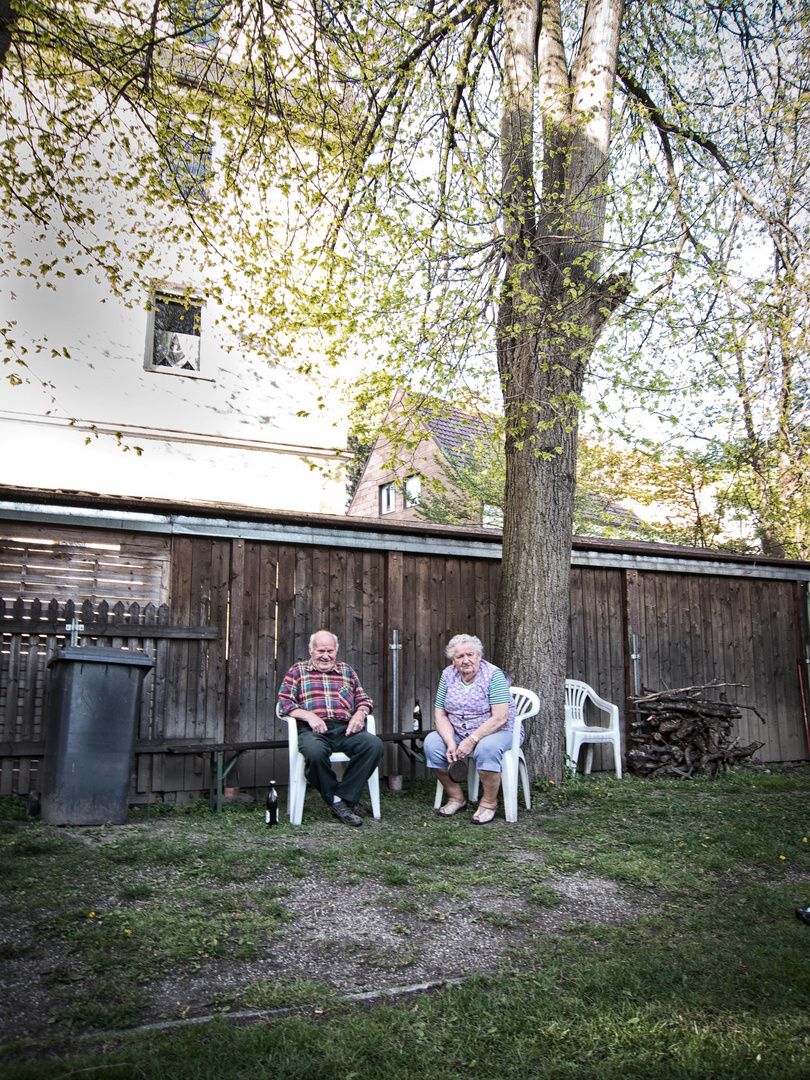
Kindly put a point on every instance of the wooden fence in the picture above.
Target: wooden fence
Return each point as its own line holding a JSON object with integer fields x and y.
{"x": 224, "y": 615}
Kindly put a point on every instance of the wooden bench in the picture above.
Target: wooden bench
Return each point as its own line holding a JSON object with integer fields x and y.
{"x": 221, "y": 766}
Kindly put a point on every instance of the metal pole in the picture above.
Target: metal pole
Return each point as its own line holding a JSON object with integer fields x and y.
{"x": 395, "y": 648}
{"x": 635, "y": 656}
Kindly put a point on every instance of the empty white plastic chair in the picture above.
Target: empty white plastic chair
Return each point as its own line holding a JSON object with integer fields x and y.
{"x": 527, "y": 704}
{"x": 578, "y": 733}
{"x": 298, "y": 782}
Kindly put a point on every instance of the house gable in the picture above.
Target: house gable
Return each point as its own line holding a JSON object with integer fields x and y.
{"x": 424, "y": 461}
{"x": 446, "y": 434}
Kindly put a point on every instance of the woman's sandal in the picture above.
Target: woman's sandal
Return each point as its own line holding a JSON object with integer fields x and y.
{"x": 452, "y": 806}
{"x": 483, "y": 815}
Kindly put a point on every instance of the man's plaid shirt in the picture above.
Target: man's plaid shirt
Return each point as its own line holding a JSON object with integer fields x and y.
{"x": 335, "y": 694}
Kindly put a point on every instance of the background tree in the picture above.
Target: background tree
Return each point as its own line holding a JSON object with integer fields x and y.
{"x": 674, "y": 496}
{"x": 468, "y": 489}
{"x": 722, "y": 265}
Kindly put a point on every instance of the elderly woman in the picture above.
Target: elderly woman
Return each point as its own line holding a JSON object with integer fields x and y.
{"x": 474, "y": 716}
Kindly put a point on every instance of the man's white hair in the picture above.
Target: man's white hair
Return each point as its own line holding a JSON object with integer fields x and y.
{"x": 463, "y": 639}
{"x": 312, "y": 639}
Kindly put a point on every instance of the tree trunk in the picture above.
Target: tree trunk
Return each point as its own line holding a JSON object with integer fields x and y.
{"x": 7, "y": 19}
{"x": 532, "y": 623}
{"x": 553, "y": 306}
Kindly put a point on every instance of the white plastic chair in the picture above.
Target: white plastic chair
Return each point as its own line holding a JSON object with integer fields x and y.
{"x": 579, "y": 733}
{"x": 514, "y": 763}
{"x": 298, "y": 782}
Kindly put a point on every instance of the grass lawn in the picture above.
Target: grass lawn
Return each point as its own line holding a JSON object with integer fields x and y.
{"x": 710, "y": 980}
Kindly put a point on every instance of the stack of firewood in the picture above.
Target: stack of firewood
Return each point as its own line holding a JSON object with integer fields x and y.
{"x": 682, "y": 732}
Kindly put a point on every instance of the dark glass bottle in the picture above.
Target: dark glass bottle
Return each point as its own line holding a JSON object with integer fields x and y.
{"x": 271, "y": 809}
{"x": 417, "y": 716}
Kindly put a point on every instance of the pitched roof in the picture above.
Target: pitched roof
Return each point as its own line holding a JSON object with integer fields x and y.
{"x": 453, "y": 429}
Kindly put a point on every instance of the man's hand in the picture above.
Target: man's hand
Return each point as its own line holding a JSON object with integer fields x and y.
{"x": 315, "y": 722}
{"x": 357, "y": 723}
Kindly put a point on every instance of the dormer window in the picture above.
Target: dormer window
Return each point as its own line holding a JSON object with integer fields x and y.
{"x": 194, "y": 20}
{"x": 188, "y": 166}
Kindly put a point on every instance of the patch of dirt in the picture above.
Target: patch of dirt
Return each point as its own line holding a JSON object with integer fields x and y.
{"x": 352, "y": 938}
{"x": 345, "y": 938}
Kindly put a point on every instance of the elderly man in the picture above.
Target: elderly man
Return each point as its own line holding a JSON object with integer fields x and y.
{"x": 330, "y": 705}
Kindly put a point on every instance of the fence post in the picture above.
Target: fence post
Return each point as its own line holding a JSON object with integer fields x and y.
{"x": 236, "y": 618}
{"x": 631, "y": 588}
{"x": 394, "y": 569}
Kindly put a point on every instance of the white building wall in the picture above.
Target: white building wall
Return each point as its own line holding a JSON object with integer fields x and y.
{"x": 234, "y": 434}
{"x": 231, "y": 435}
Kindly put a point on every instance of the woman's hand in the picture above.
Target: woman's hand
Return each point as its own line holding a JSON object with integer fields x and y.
{"x": 447, "y": 732}
{"x": 465, "y": 747}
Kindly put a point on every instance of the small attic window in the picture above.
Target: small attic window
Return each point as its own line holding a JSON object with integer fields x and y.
{"x": 388, "y": 495}
{"x": 413, "y": 490}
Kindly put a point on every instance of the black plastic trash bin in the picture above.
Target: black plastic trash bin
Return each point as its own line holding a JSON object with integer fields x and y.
{"x": 90, "y": 722}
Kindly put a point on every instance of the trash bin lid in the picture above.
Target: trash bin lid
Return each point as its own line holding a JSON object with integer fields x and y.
{"x": 102, "y": 654}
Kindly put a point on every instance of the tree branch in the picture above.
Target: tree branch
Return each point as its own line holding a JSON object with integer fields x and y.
{"x": 665, "y": 128}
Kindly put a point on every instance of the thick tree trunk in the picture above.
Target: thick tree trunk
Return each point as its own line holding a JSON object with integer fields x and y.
{"x": 553, "y": 306}
{"x": 532, "y": 624}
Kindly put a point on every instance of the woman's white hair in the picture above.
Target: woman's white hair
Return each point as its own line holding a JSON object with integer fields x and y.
{"x": 463, "y": 639}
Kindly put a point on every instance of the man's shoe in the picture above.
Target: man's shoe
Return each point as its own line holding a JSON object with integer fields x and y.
{"x": 359, "y": 809}
{"x": 343, "y": 812}
{"x": 803, "y": 913}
